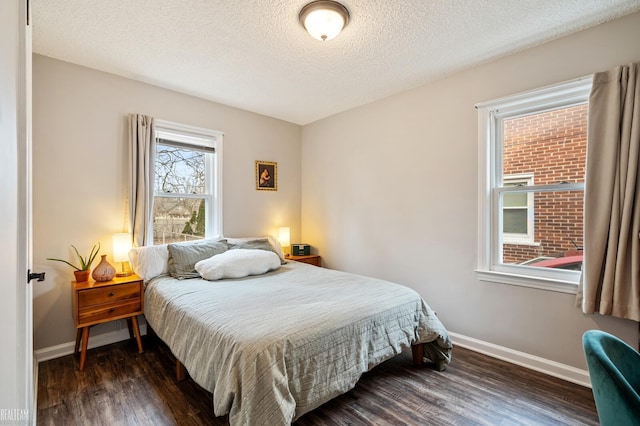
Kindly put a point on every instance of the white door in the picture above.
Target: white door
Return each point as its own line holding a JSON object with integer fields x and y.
{"x": 16, "y": 356}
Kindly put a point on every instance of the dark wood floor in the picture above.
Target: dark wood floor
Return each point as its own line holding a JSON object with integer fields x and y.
{"x": 121, "y": 387}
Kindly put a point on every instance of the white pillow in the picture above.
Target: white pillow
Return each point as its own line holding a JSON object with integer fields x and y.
{"x": 275, "y": 244}
{"x": 149, "y": 261}
{"x": 237, "y": 263}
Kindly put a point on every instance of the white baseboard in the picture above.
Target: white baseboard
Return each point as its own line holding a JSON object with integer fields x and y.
{"x": 64, "y": 349}
{"x": 552, "y": 368}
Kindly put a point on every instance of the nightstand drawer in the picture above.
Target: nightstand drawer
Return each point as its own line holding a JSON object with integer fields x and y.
{"x": 311, "y": 259}
{"x": 110, "y": 294}
{"x": 112, "y": 310}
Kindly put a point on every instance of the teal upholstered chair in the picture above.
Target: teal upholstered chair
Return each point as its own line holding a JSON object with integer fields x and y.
{"x": 614, "y": 369}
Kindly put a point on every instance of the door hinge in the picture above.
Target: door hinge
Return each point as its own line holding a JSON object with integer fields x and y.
{"x": 35, "y": 276}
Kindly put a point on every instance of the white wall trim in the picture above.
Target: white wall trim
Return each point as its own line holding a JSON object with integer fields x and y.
{"x": 64, "y": 349}
{"x": 542, "y": 365}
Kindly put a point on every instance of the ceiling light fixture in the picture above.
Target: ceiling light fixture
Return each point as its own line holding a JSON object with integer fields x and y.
{"x": 324, "y": 19}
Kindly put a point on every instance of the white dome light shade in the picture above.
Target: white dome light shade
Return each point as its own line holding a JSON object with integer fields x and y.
{"x": 324, "y": 24}
{"x": 324, "y": 19}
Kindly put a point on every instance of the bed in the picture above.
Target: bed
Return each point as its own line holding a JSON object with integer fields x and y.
{"x": 273, "y": 346}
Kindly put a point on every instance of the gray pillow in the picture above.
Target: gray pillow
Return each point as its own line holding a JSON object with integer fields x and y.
{"x": 184, "y": 256}
{"x": 257, "y": 244}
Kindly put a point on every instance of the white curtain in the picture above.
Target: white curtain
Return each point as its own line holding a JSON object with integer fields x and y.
{"x": 610, "y": 281}
{"x": 142, "y": 168}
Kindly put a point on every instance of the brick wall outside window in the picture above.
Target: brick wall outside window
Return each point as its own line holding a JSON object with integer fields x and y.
{"x": 552, "y": 145}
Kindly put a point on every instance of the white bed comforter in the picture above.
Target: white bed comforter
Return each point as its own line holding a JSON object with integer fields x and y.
{"x": 273, "y": 347}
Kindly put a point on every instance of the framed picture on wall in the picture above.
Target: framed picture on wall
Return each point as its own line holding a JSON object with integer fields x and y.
{"x": 266, "y": 176}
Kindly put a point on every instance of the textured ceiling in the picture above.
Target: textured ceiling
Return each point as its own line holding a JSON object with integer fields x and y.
{"x": 255, "y": 55}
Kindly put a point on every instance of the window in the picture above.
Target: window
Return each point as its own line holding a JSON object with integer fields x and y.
{"x": 517, "y": 211}
{"x": 187, "y": 201}
{"x": 530, "y": 231}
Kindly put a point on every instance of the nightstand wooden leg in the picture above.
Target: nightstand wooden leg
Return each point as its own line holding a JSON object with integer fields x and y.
{"x": 130, "y": 328}
{"x": 136, "y": 329}
{"x": 78, "y": 336}
{"x": 85, "y": 342}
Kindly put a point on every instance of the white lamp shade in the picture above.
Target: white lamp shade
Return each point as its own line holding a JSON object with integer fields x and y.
{"x": 121, "y": 247}
{"x": 324, "y": 19}
{"x": 284, "y": 236}
{"x": 324, "y": 24}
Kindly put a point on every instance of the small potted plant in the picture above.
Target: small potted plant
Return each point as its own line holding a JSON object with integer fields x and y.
{"x": 84, "y": 269}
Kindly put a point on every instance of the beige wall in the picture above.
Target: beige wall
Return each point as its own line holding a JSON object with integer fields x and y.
{"x": 390, "y": 190}
{"x": 80, "y": 172}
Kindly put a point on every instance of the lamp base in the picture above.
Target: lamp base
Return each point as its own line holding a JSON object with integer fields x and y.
{"x": 124, "y": 272}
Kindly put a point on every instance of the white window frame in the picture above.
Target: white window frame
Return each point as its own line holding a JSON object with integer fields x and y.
{"x": 526, "y": 239}
{"x": 490, "y": 116}
{"x": 198, "y": 137}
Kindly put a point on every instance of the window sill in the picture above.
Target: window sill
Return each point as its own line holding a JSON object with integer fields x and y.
{"x": 547, "y": 284}
{"x": 523, "y": 242}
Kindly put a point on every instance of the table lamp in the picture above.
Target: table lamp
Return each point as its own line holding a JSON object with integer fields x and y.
{"x": 121, "y": 247}
{"x": 284, "y": 237}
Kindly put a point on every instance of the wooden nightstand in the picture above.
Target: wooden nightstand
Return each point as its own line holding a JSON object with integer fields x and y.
{"x": 99, "y": 302}
{"x": 312, "y": 259}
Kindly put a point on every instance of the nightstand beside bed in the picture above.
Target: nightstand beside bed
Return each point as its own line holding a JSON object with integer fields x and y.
{"x": 96, "y": 302}
{"x": 312, "y": 259}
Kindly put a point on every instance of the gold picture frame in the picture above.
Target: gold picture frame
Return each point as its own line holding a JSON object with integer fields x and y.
{"x": 266, "y": 175}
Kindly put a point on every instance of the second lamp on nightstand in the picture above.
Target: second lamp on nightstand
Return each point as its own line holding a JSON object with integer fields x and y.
{"x": 284, "y": 237}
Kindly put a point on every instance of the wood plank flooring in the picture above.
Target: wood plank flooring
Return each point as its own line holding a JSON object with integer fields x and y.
{"x": 121, "y": 387}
